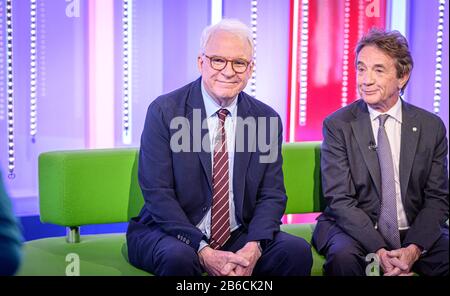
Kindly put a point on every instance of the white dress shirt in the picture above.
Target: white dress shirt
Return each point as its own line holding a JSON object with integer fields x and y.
{"x": 211, "y": 108}
{"x": 393, "y": 126}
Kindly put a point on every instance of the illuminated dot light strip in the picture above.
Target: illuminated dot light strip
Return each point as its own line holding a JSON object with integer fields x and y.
{"x": 127, "y": 61}
{"x": 42, "y": 85}
{"x": 294, "y": 70}
{"x": 33, "y": 71}
{"x": 361, "y": 11}
{"x": 438, "y": 66}
{"x": 10, "y": 88}
{"x": 344, "y": 90}
{"x": 254, "y": 23}
{"x": 304, "y": 63}
{"x": 2, "y": 67}
{"x": 361, "y": 19}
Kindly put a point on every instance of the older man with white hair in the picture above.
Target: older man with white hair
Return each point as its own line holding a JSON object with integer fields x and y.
{"x": 216, "y": 210}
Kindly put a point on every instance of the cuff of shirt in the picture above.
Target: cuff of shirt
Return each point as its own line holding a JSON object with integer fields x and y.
{"x": 202, "y": 245}
{"x": 259, "y": 246}
{"x": 422, "y": 250}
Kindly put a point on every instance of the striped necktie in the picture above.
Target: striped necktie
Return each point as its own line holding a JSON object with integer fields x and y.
{"x": 220, "y": 217}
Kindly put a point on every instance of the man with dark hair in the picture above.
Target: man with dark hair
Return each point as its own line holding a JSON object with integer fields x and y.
{"x": 384, "y": 173}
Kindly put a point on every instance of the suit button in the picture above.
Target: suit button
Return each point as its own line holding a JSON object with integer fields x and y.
{"x": 188, "y": 241}
{"x": 178, "y": 236}
{"x": 204, "y": 209}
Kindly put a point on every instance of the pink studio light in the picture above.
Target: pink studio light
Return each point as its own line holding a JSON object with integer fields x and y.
{"x": 100, "y": 105}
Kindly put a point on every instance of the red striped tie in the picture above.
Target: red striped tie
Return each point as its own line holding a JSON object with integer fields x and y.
{"x": 220, "y": 219}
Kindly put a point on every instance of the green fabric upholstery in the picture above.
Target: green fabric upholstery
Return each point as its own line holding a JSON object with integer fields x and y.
{"x": 89, "y": 186}
{"x": 98, "y": 255}
{"x": 301, "y": 169}
{"x": 100, "y": 186}
{"x": 305, "y": 231}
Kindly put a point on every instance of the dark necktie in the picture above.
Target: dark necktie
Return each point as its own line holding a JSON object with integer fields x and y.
{"x": 220, "y": 217}
{"x": 387, "y": 222}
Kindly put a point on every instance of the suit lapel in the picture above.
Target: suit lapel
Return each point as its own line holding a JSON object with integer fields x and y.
{"x": 241, "y": 159}
{"x": 362, "y": 129}
{"x": 410, "y": 136}
{"x": 195, "y": 106}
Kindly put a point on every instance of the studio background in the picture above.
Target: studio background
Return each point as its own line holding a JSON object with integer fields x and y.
{"x": 99, "y": 64}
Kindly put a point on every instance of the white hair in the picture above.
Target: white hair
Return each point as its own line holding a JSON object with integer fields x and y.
{"x": 229, "y": 25}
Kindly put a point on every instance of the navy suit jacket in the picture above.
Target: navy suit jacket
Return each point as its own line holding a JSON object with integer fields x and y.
{"x": 351, "y": 177}
{"x": 177, "y": 187}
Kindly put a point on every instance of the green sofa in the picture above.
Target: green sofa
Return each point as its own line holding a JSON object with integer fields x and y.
{"x": 88, "y": 187}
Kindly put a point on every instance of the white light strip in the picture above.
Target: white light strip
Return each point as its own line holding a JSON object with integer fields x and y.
{"x": 304, "y": 63}
{"x": 294, "y": 49}
{"x": 398, "y": 17}
{"x": 290, "y": 218}
{"x": 127, "y": 26}
{"x": 216, "y": 11}
{"x": 344, "y": 89}
{"x": 10, "y": 88}
{"x": 361, "y": 11}
{"x": 33, "y": 71}
{"x": 254, "y": 23}
{"x": 438, "y": 66}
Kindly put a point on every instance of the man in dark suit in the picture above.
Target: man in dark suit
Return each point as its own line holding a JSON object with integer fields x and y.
{"x": 384, "y": 173}
{"x": 212, "y": 202}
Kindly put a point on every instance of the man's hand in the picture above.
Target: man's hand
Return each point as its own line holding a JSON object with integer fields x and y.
{"x": 404, "y": 259}
{"x": 390, "y": 265}
{"x": 250, "y": 252}
{"x": 220, "y": 263}
{"x": 386, "y": 266}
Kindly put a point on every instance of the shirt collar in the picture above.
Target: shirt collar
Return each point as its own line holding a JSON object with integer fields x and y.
{"x": 211, "y": 106}
{"x": 395, "y": 112}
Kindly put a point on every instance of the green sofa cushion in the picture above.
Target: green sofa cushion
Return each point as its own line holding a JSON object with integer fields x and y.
{"x": 99, "y": 255}
{"x": 301, "y": 169}
{"x": 85, "y": 187}
{"x": 305, "y": 231}
{"x": 107, "y": 254}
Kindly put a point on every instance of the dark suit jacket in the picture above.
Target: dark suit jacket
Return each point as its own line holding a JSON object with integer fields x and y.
{"x": 351, "y": 177}
{"x": 177, "y": 186}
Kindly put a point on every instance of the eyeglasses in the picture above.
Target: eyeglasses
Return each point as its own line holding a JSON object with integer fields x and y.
{"x": 219, "y": 63}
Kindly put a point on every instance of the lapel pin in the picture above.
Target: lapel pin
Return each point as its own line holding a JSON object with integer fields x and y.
{"x": 414, "y": 129}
